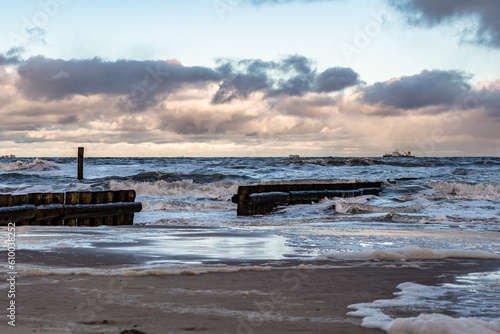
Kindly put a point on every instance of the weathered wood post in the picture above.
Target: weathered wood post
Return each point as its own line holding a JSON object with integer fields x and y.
{"x": 119, "y": 196}
{"x": 108, "y": 198}
{"x": 20, "y": 200}
{"x": 80, "y": 163}
{"x": 84, "y": 197}
{"x": 71, "y": 199}
{"x": 129, "y": 196}
{"x": 97, "y": 198}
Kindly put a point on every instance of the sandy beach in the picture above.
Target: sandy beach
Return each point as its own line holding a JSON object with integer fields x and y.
{"x": 291, "y": 297}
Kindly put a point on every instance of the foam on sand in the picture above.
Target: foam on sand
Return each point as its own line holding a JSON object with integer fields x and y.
{"x": 410, "y": 253}
{"x": 425, "y": 300}
{"x": 443, "y": 324}
{"x": 153, "y": 270}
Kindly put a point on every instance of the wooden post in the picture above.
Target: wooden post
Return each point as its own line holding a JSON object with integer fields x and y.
{"x": 97, "y": 198}
{"x": 129, "y": 196}
{"x": 5, "y": 200}
{"x": 71, "y": 199}
{"x": 108, "y": 198}
{"x": 119, "y": 196}
{"x": 20, "y": 200}
{"x": 80, "y": 163}
{"x": 84, "y": 197}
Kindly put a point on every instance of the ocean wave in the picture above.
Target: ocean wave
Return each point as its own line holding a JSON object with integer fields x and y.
{"x": 221, "y": 190}
{"x": 354, "y": 162}
{"x": 466, "y": 190}
{"x": 175, "y": 177}
{"x": 356, "y": 208}
{"x": 35, "y": 165}
{"x": 191, "y": 206}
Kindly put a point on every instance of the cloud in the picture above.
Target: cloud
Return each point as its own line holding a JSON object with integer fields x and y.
{"x": 36, "y": 34}
{"x": 491, "y": 101}
{"x": 145, "y": 84}
{"x": 291, "y": 76}
{"x": 318, "y": 106}
{"x": 336, "y": 79}
{"x": 140, "y": 81}
{"x": 429, "y": 88}
{"x": 431, "y": 13}
{"x": 11, "y": 57}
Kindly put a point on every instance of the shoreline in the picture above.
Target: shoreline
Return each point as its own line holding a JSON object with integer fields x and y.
{"x": 293, "y": 296}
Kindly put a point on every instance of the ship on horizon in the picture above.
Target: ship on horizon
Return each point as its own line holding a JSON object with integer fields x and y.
{"x": 397, "y": 153}
{"x": 8, "y": 156}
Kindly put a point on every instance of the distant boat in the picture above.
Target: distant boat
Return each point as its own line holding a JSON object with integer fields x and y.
{"x": 294, "y": 156}
{"x": 399, "y": 154}
{"x": 8, "y": 156}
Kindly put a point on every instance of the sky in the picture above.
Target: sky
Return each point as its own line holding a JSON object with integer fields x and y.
{"x": 249, "y": 77}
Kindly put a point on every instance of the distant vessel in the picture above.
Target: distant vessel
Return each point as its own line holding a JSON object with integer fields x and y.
{"x": 8, "y": 156}
{"x": 294, "y": 156}
{"x": 398, "y": 154}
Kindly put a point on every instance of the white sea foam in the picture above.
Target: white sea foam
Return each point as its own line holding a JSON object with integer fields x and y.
{"x": 185, "y": 205}
{"x": 465, "y": 190}
{"x": 423, "y": 299}
{"x": 153, "y": 270}
{"x": 35, "y": 165}
{"x": 222, "y": 190}
{"x": 410, "y": 253}
{"x": 342, "y": 207}
{"x": 442, "y": 324}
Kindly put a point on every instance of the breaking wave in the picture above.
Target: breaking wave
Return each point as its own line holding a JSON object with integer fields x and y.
{"x": 35, "y": 165}
{"x": 176, "y": 177}
{"x": 222, "y": 190}
{"x": 465, "y": 190}
{"x": 356, "y": 208}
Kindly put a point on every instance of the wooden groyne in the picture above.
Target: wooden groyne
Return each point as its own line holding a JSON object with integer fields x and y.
{"x": 260, "y": 199}
{"x": 73, "y": 208}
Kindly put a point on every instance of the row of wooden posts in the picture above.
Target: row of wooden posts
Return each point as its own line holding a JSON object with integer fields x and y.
{"x": 73, "y": 208}
{"x": 260, "y": 199}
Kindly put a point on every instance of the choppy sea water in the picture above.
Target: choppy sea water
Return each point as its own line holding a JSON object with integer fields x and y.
{"x": 430, "y": 208}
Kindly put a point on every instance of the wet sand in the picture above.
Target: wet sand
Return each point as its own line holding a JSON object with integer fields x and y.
{"x": 282, "y": 300}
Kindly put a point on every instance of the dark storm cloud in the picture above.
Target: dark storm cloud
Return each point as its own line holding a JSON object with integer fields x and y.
{"x": 429, "y": 88}
{"x": 11, "y": 57}
{"x": 240, "y": 86}
{"x": 335, "y": 79}
{"x": 492, "y": 102}
{"x": 141, "y": 81}
{"x": 143, "y": 84}
{"x": 291, "y": 76}
{"x": 434, "y": 12}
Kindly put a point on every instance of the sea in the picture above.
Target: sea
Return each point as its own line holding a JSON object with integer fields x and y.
{"x": 429, "y": 209}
